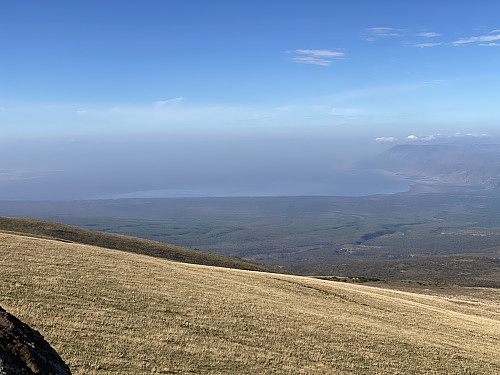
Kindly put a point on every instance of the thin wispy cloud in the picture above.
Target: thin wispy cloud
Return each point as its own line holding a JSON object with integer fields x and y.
{"x": 321, "y": 57}
{"x": 385, "y": 139}
{"x": 161, "y": 103}
{"x": 375, "y": 33}
{"x": 311, "y": 60}
{"x": 492, "y": 39}
{"x": 428, "y": 138}
{"x": 425, "y": 138}
{"x": 426, "y": 45}
{"x": 320, "y": 52}
{"x": 428, "y": 35}
{"x": 477, "y": 39}
{"x": 475, "y": 135}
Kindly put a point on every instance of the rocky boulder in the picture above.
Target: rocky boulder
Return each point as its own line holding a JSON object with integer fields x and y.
{"x": 24, "y": 351}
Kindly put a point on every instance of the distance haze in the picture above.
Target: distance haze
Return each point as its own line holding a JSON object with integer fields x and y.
{"x": 193, "y": 98}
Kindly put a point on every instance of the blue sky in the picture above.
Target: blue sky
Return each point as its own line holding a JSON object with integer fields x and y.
{"x": 380, "y": 71}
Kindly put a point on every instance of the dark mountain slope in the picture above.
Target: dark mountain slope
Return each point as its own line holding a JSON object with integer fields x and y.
{"x": 68, "y": 233}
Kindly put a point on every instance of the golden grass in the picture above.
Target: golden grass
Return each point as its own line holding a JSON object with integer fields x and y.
{"x": 111, "y": 312}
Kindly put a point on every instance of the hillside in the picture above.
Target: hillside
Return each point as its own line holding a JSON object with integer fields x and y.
{"x": 115, "y": 312}
{"x": 68, "y": 233}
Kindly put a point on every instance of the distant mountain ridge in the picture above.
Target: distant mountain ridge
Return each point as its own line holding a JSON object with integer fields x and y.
{"x": 470, "y": 165}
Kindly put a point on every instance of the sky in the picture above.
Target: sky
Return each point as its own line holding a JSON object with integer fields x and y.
{"x": 108, "y": 99}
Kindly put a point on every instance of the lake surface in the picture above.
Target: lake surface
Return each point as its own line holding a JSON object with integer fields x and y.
{"x": 77, "y": 185}
{"x": 338, "y": 183}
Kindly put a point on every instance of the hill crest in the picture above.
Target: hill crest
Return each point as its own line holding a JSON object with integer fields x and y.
{"x": 69, "y": 233}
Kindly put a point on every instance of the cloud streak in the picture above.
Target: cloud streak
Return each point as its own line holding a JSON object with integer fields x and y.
{"x": 427, "y": 138}
{"x": 320, "y": 57}
{"x": 162, "y": 103}
{"x": 429, "y": 35}
{"x": 385, "y": 139}
{"x": 491, "y": 39}
{"x": 491, "y": 44}
{"x": 477, "y": 39}
{"x": 375, "y": 33}
{"x": 426, "y": 45}
{"x": 320, "y": 52}
{"x": 311, "y": 60}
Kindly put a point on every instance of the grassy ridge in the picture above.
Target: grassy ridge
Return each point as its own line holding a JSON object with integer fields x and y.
{"x": 113, "y": 312}
{"x": 157, "y": 249}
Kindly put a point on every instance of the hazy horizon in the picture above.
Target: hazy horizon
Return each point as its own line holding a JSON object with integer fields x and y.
{"x": 194, "y": 98}
{"x": 162, "y": 167}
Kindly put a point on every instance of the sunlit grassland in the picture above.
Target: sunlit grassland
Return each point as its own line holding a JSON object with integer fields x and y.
{"x": 111, "y": 312}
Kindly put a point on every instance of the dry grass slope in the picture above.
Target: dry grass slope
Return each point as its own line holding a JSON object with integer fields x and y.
{"x": 113, "y": 312}
{"x": 68, "y": 233}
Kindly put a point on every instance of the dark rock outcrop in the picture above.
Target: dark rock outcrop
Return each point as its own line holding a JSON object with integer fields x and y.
{"x": 24, "y": 351}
